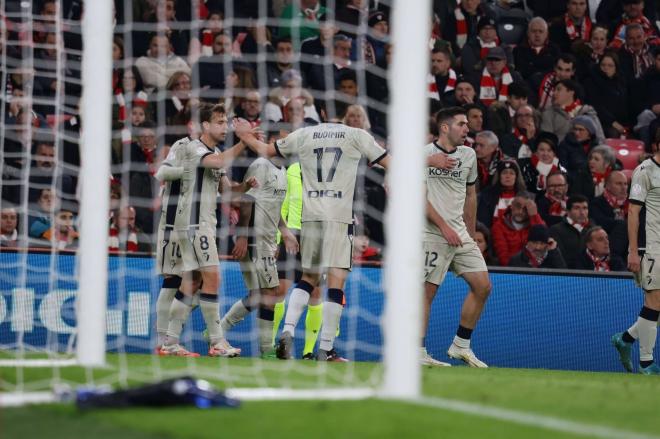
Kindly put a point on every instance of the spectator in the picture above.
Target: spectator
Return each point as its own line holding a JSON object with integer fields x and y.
{"x": 552, "y": 203}
{"x": 300, "y": 20}
{"x": 465, "y": 92}
{"x": 356, "y": 117}
{"x": 362, "y": 251}
{"x": 143, "y": 165}
{"x": 251, "y": 107}
{"x": 607, "y": 92}
{"x": 610, "y": 10}
{"x": 537, "y": 54}
{"x": 633, "y": 15}
{"x": 645, "y": 99}
{"x": 475, "y": 118}
{"x": 284, "y": 59}
{"x": 496, "y": 78}
{"x": 65, "y": 235}
{"x": 596, "y": 254}
{"x": 209, "y": 70}
{"x": 495, "y": 199}
{"x": 350, "y": 15}
{"x": 442, "y": 79}
{"x": 294, "y": 114}
{"x": 474, "y": 53}
{"x": 564, "y": 69}
{"x": 45, "y": 171}
{"x": 636, "y": 55}
{"x": 291, "y": 88}
{"x": 610, "y": 210}
{"x": 543, "y": 162}
{"x": 489, "y": 155}
{"x": 158, "y": 65}
{"x": 510, "y": 231}
{"x": 124, "y": 234}
{"x": 341, "y": 51}
{"x": 569, "y": 232}
{"x": 501, "y": 115}
{"x": 374, "y": 48}
{"x": 590, "y": 180}
{"x": 313, "y": 50}
{"x": 565, "y": 107}
{"x": 205, "y": 43}
{"x": 574, "y": 149}
{"x": 239, "y": 80}
{"x": 484, "y": 241}
{"x": 540, "y": 251}
{"x": 589, "y": 54}
{"x": 8, "y": 227}
{"x": 178, "y": 106}
{"x": 573, "y": 27}
{"x": 526, "y": 127}
{"x": 347, "y": 94}
{"x": 461, "y": 26}
{"x": 39, "y": 221}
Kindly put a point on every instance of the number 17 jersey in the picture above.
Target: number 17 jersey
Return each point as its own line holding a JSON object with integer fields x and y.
{"x": 329, "y": 155}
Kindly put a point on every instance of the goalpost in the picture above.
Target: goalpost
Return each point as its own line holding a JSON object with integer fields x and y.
{"x": 400, "y": 323}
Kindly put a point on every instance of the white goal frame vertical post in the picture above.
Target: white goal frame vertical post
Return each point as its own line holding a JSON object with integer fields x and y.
{"x": 408, "y": 122}
{"x": 95, "y": 182}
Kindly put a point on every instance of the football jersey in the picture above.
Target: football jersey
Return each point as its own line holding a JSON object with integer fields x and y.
{"x": 199, "y": 188}
{"x": 171, "y": 190}
{"x": 268, "y": 198}
{"x": 645, "y": 189}
{"x": 446, "y": 190}
{"x": 329, "y": 155}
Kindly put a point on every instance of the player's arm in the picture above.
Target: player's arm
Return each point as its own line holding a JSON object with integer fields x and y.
{"x": 167, "y": 172}
{"x": 633, "y": 232}
{"x": 440, "y": 161}
{"x": 242, "y": 228}
{"x": 222, "y": 159}
{"x": 258, "y": 147}
{"x": 449, "y": 234}
{"x": 290, "y": 241}
{"x": 470, "y": 209}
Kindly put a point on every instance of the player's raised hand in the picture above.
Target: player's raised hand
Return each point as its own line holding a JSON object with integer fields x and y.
{"x": 242, "y": 127}
{"x": 290, "y": 242}
{"x": 240, "y": 247}
{"x": 633, "y": 262}
{"x": 441, "y": 161}
{"x": 451, "y": 236}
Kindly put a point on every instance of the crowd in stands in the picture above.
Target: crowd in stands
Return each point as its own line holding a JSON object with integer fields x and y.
{"x": 562, "y": 99}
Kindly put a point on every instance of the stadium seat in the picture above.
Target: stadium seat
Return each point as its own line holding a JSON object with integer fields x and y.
{"x": 627, "y": 151}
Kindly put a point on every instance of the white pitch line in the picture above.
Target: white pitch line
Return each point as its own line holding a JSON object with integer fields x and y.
{"x": 530, "y": 419}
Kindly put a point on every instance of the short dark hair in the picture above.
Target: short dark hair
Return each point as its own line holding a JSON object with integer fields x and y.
{"x": 519, "y": 90}
{"x": 468, "y": 107}
{"x": 347, "y": 75}
{"x": 206, "y": 111}
{"x": 442, "y": 49}
{"x": 589, "y": 233}
{"x": 571, "y": 85}
{"x": 574, "y": 199}
{"x": 568, "y": 58}
{"x": 283, "y": 40}
{"x": 448, "y": 113}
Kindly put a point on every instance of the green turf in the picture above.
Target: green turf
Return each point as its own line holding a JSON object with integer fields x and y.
{"x": 627, "y": 402}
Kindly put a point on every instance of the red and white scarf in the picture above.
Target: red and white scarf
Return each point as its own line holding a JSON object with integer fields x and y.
{"x": 620, "y": 207}
{"x": 642, "y": 60}
{"x": 505, "y": 200}
{"x": 543, "y": 169}
{"x": 488, "y": 90}
{"x": 485, "y": 47}
{"x": 461, "y": 26}
{"x": 433, "y": 85}
{"x": 557, "y": 207}
{"x": 534, "y": 260}
{"x": 207, "y": 42}
{"x": 573, "y": 108}
{"x": 598, "y": 179}
{"x": 573, "y": 34}
{"x": 600, "y": 263}
{"x": 546, "y": 90}
{"x": 619, "y": 35}
{"x": 113, "y": 240}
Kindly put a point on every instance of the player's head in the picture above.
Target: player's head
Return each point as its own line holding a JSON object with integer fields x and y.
{"x": 452, "y": 125}
{"x": 213, "y": 119}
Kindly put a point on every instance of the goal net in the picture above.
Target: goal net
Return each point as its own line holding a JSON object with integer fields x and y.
{"x": 94, "y": 97}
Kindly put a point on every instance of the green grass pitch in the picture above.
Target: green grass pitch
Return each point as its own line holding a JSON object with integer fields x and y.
{"x": 624, "y": 402}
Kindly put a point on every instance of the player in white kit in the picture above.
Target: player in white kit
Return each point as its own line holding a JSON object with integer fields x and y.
{"x": 448, "y": 242}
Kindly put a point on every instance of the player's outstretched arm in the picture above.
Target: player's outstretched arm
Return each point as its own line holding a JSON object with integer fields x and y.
{"x": 633, "y": 233}
{"x": 168, "y": 173}
{"x": 258, "y": 147}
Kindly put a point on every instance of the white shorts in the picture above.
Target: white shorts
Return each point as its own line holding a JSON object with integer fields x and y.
{"x": 648, "y": 277}
{"x": 198, "y": 248}
{"x": 440, "y": 257}
{"x": 168, "y": 254}
{"x": 326, "y": 244}
{"x": 259, "y": 269}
